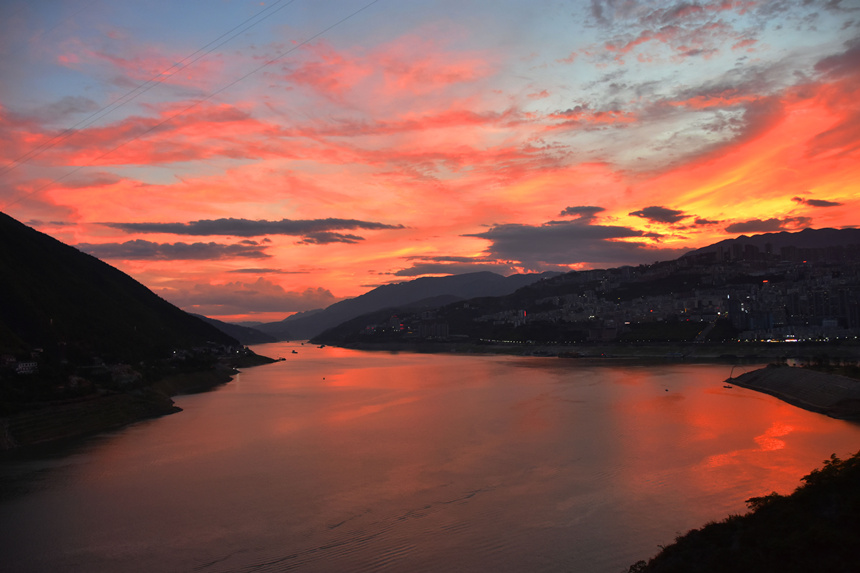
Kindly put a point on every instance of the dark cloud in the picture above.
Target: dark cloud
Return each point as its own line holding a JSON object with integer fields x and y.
{"x": 326, "y": 237}
{"x": 97, "y": 179}
{"x": 453, "y": 265}
{"x": 845, "y": 64}
{"x": 659, "y": 214}
{"x": 65, "y": 107}
{"x": 421, "y": 269}
{"x": 583, "y": 212}
{"x": 242, "y": 298}
{"x": 249, "y": 228}
{"x": 706, "y": 222}
{"x": 265, "y": 271}
{"x": 41, "y": 223}
{"x": 816, "y": 202}
{"x": 535, "y": 247}
{"x": 447, "y": 259}
{"x": 655, "y": 236}
{"x": 769, "y": 225}
{"x": 147, "y": 250}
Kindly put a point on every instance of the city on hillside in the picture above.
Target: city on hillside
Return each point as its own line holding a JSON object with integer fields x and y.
{"x": 735, "y": 292}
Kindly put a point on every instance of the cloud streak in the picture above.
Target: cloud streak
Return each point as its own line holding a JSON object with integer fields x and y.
{"x": 816, "y": 202}
{"x": 236, "y": 297}
{"x": 560, "y": 242}
{"x": 139, "y": 249}
{"x": 659, "y": 214}
{"x": 315, "y": 230}
{"x": 769, "y": 225}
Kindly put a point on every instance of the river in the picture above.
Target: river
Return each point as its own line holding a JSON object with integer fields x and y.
{"x": 342, "y": 460}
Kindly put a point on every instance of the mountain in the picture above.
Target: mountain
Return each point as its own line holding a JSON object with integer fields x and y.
{"x": 805, "y": 239}
{"x": 244, "y": 334}
{"x": 465, "y": 286}
{"x": 54, "y": 297}
{"x": 806, "y": 286}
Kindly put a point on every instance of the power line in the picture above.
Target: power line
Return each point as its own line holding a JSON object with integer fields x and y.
{"x": 198, "y": 102}
{"x": 144, "y": 87}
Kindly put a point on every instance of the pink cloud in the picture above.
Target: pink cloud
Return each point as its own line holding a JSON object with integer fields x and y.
{"x": 261, "y": 296}
{"x": 404, "y": 68}
{"x": 571, "y": 58}
{"x": 150, "y": 63}
{"x": 327, "y": 72}
{"x": 747, "y": 43}
{"x": 723, "y": 99}
{"x": 584, "y": 116}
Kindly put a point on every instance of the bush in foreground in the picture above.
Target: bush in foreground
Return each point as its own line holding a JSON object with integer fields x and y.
{"x": 816, "y": 528}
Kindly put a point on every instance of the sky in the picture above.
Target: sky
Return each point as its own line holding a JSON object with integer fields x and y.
{"x": 249, "y": 160}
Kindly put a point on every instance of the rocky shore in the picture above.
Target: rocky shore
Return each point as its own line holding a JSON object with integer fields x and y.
{"x": 830, "y": 394}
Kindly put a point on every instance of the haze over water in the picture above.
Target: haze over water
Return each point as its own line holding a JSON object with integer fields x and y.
{"x": 339, "y": 460}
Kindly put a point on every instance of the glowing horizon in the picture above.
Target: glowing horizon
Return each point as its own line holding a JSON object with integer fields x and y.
{"x": 247, "y": 161}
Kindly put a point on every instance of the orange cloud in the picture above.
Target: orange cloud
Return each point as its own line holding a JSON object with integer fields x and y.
{"x": 801, "y": 145}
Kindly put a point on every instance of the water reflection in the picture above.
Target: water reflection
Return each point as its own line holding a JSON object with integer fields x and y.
{"x": 343, "y": 460}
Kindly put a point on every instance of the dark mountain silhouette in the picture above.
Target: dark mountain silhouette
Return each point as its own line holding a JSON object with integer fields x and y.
{"x": 805, "y": 239}
{"x": 465, "y": 286}
{"x": 54, "y": 297}
{"x": 684, "y": 300}
{"x": 244, "y": 334}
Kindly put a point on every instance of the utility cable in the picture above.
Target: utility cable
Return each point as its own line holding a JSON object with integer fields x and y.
{"x": 144, "y": 87}
{"x": 198, "y": 102}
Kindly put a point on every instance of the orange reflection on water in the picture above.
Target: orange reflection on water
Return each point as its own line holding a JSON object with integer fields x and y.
{"x": 768, "y": 441}
{"x": 357, "y": 412}
{"x": 687, "y": 431}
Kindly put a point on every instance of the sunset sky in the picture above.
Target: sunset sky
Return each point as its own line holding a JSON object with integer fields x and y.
{"x": 248, "y": 160}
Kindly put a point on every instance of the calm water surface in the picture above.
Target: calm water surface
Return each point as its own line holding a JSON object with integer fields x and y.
{"x": 338, "y": 460}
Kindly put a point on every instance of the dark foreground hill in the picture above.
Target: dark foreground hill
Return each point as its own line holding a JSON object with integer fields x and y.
{"x": 84, "y": 347}
{"x": 816, "y": 528}
{"x": 54, "y": 297}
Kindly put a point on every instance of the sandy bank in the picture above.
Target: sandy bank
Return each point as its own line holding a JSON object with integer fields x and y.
{"x": 831, "y": 394}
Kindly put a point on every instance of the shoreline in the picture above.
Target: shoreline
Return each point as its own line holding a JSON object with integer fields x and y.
{"x": 829, "y": 394}
{"x": 825, "y": 393}
{"x": 76, "y": 418}
{"x": 656, "y": 353}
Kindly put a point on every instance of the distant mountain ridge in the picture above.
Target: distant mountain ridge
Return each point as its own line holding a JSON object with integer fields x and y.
{"x": 464, "y": 286}
{"x": 805, "y": 239}
{"x": 54, "y": 296}
{"x": 244, "y": 334}
{"x": 694, "y": 297}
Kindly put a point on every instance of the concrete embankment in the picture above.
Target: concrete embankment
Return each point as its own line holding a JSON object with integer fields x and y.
{"x": 831, "y": 394}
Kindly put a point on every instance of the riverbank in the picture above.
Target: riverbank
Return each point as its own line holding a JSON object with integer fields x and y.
{"x": 645, "y": 353}
{"x": 63, "y": 420}
{"x": 831, "y": 394}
